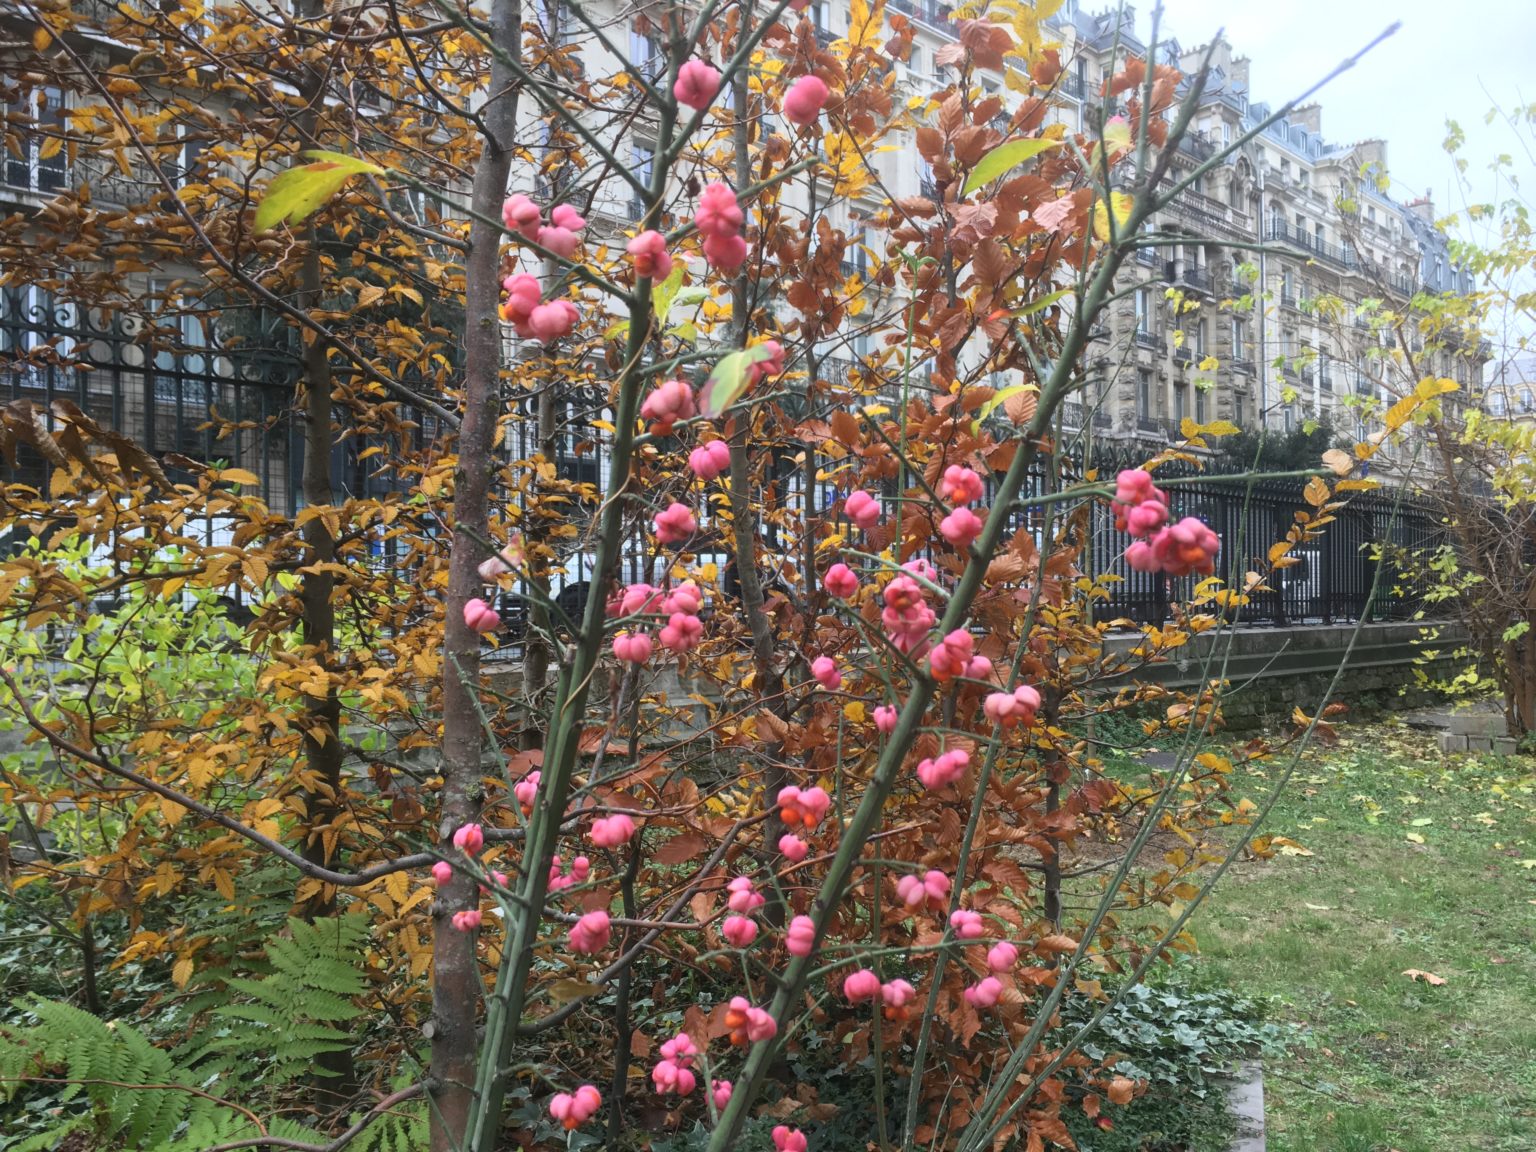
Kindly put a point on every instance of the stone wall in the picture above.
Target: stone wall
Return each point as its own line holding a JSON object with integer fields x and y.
{"x": 1272, "y": 671}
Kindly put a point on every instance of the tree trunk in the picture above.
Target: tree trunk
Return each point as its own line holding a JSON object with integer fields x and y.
{"x": 335, "y": 1081}
{"x": 456, "y": 984}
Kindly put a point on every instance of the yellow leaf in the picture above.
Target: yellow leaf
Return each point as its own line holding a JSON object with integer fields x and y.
{"x": 1427, "y": 977}
{"x": 371, "y": 294}
{"x": 1289, "y": 847}
{"x": 41, "y": 38}
{"x": 854, "y": 710}
{"x": 239, "y": 476}
{"x": 1209, "y": 364}
{"x": 1122, "y": 204}
{"x": 1414, "y": 837}
{"x": 181, "y": 971}
{"x": 1316, "y": 492}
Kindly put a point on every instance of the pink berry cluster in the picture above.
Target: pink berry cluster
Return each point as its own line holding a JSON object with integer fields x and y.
{"x": 573, "y": 1110}
{"x": 955, "y": 655}
{"x": 649, "y": 252}
{"x": 931, "y": 891}
{"x": 961, "y": 487}
{"x": 719, "y": 219}
{"x": 683, "y": 629}
{"x": 1012, "y": 709}
{"x": 560, "y": 879}
{"x": 1185, "y": 548}
{"x": 696, "y": 85}
{"x": 739, "y": 929}
{"x": 560, "y": 235}
{"x": 941, "y": 771}
{"x": 531, "y": 316}
{"x": 800, "y": 808}
{"x": 803, "y": 100}
{"x": 673, "y": 1073}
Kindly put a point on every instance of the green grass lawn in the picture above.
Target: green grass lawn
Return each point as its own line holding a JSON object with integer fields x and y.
{"x": 1393, "y": 1062}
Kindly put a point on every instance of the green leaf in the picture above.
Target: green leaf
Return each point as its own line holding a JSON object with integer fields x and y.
{"x": 1002, "y": 397}
{"x": 729, "y": 380}
{"x": 301, "y": 191}
{"x": 1004, "y": 158}
{"x": 664, "y": 294}
{"x": 1039, "y": 305}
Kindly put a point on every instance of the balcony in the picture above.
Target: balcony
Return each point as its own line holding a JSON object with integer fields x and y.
{"x": 928, "y": 11}
{"x": 1147, "y": 256}
{"x": 1241, "y": 362}
{"x": 1149, "y": 426}
{"x": 930, "y": 189}
{"x": 1101, "y": 419}
{"x": 1149, "y": 340}
{"x": 1183, "y": 355}
{"x": 1197, "y": 146}
{"x": 1287, "y": 299}
{"x": 1071, "y": 84}
{"x": 1197, "y": 278}
{"x": 1072, "y": 414}
{"x": 825, "y": 36}
{"x": 1325, "y": 379}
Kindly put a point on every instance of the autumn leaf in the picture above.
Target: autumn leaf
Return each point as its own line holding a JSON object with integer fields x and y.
{"x": 1427, "y": 977}
{"x": 297, "y": 194}
{"x": 1004, "y": 158}
{"x": 731, "y": 377}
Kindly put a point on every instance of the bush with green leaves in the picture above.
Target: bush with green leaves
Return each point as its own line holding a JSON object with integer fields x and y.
{"x": 248, "y": 1040}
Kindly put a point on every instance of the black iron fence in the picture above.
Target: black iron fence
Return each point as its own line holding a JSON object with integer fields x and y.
{"x": 206, "y": 397}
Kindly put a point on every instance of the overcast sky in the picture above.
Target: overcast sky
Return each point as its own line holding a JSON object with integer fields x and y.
{"x": 1451, "y": 59}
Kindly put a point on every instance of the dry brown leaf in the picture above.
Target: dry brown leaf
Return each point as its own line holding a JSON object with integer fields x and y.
{"x": 1427, "y": 977}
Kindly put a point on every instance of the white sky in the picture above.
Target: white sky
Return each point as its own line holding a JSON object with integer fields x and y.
{"x": 1449, "y": 60}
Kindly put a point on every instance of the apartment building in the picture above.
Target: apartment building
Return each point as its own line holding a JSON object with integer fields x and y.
{"x": 1291, "y": 251}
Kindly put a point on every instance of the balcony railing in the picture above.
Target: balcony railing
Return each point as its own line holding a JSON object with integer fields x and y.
{"x": 1196, "y": 145}
{"x": 1149, "y": 340}
{"x": 1287, "y": 300}
{"x": 1149, "y": 425}
{"x": 928, "y": 11}
{"x": 1241, "y": 362}
{"x": 1325, "y": 379}
{"x": 930, "y": 188}
{"x": 1196, "y": 278}
{"x": 1183, "y": 355}
{"x": 1147, "y": 256}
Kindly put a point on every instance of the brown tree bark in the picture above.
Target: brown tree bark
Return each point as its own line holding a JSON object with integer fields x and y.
{"x": 456, "y": 984}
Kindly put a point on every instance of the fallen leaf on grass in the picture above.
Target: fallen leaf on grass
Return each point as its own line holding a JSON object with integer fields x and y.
{"x": 1289, "y": 847}
{"x": 1427, "y": 977}
{"x": 1320, "y": 907}
{"x": 1414, "y": 837}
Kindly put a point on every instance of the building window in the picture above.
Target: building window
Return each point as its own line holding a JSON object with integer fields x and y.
{"x": 1200, "y": 404}
{"x": 646, "y": 56}
{"x": 644, "y": 158}
{"x": 1144, "y": 311}
{"x": 35, "y": 159}
{"x": 1239, "y": 339}
{"x": 1144, "y": 393}
{"x": 1238, "y": 415}
{"x": 1180, "y": 402}
{"x": 1198, "y": 336}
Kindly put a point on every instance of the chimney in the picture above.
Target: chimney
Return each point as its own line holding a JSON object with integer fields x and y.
{"x": 1373, "y": 155}
{"x": 1310, "y": 117}
{"x": 1424, "y": 207}
{"x": 1239, "y": 73}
